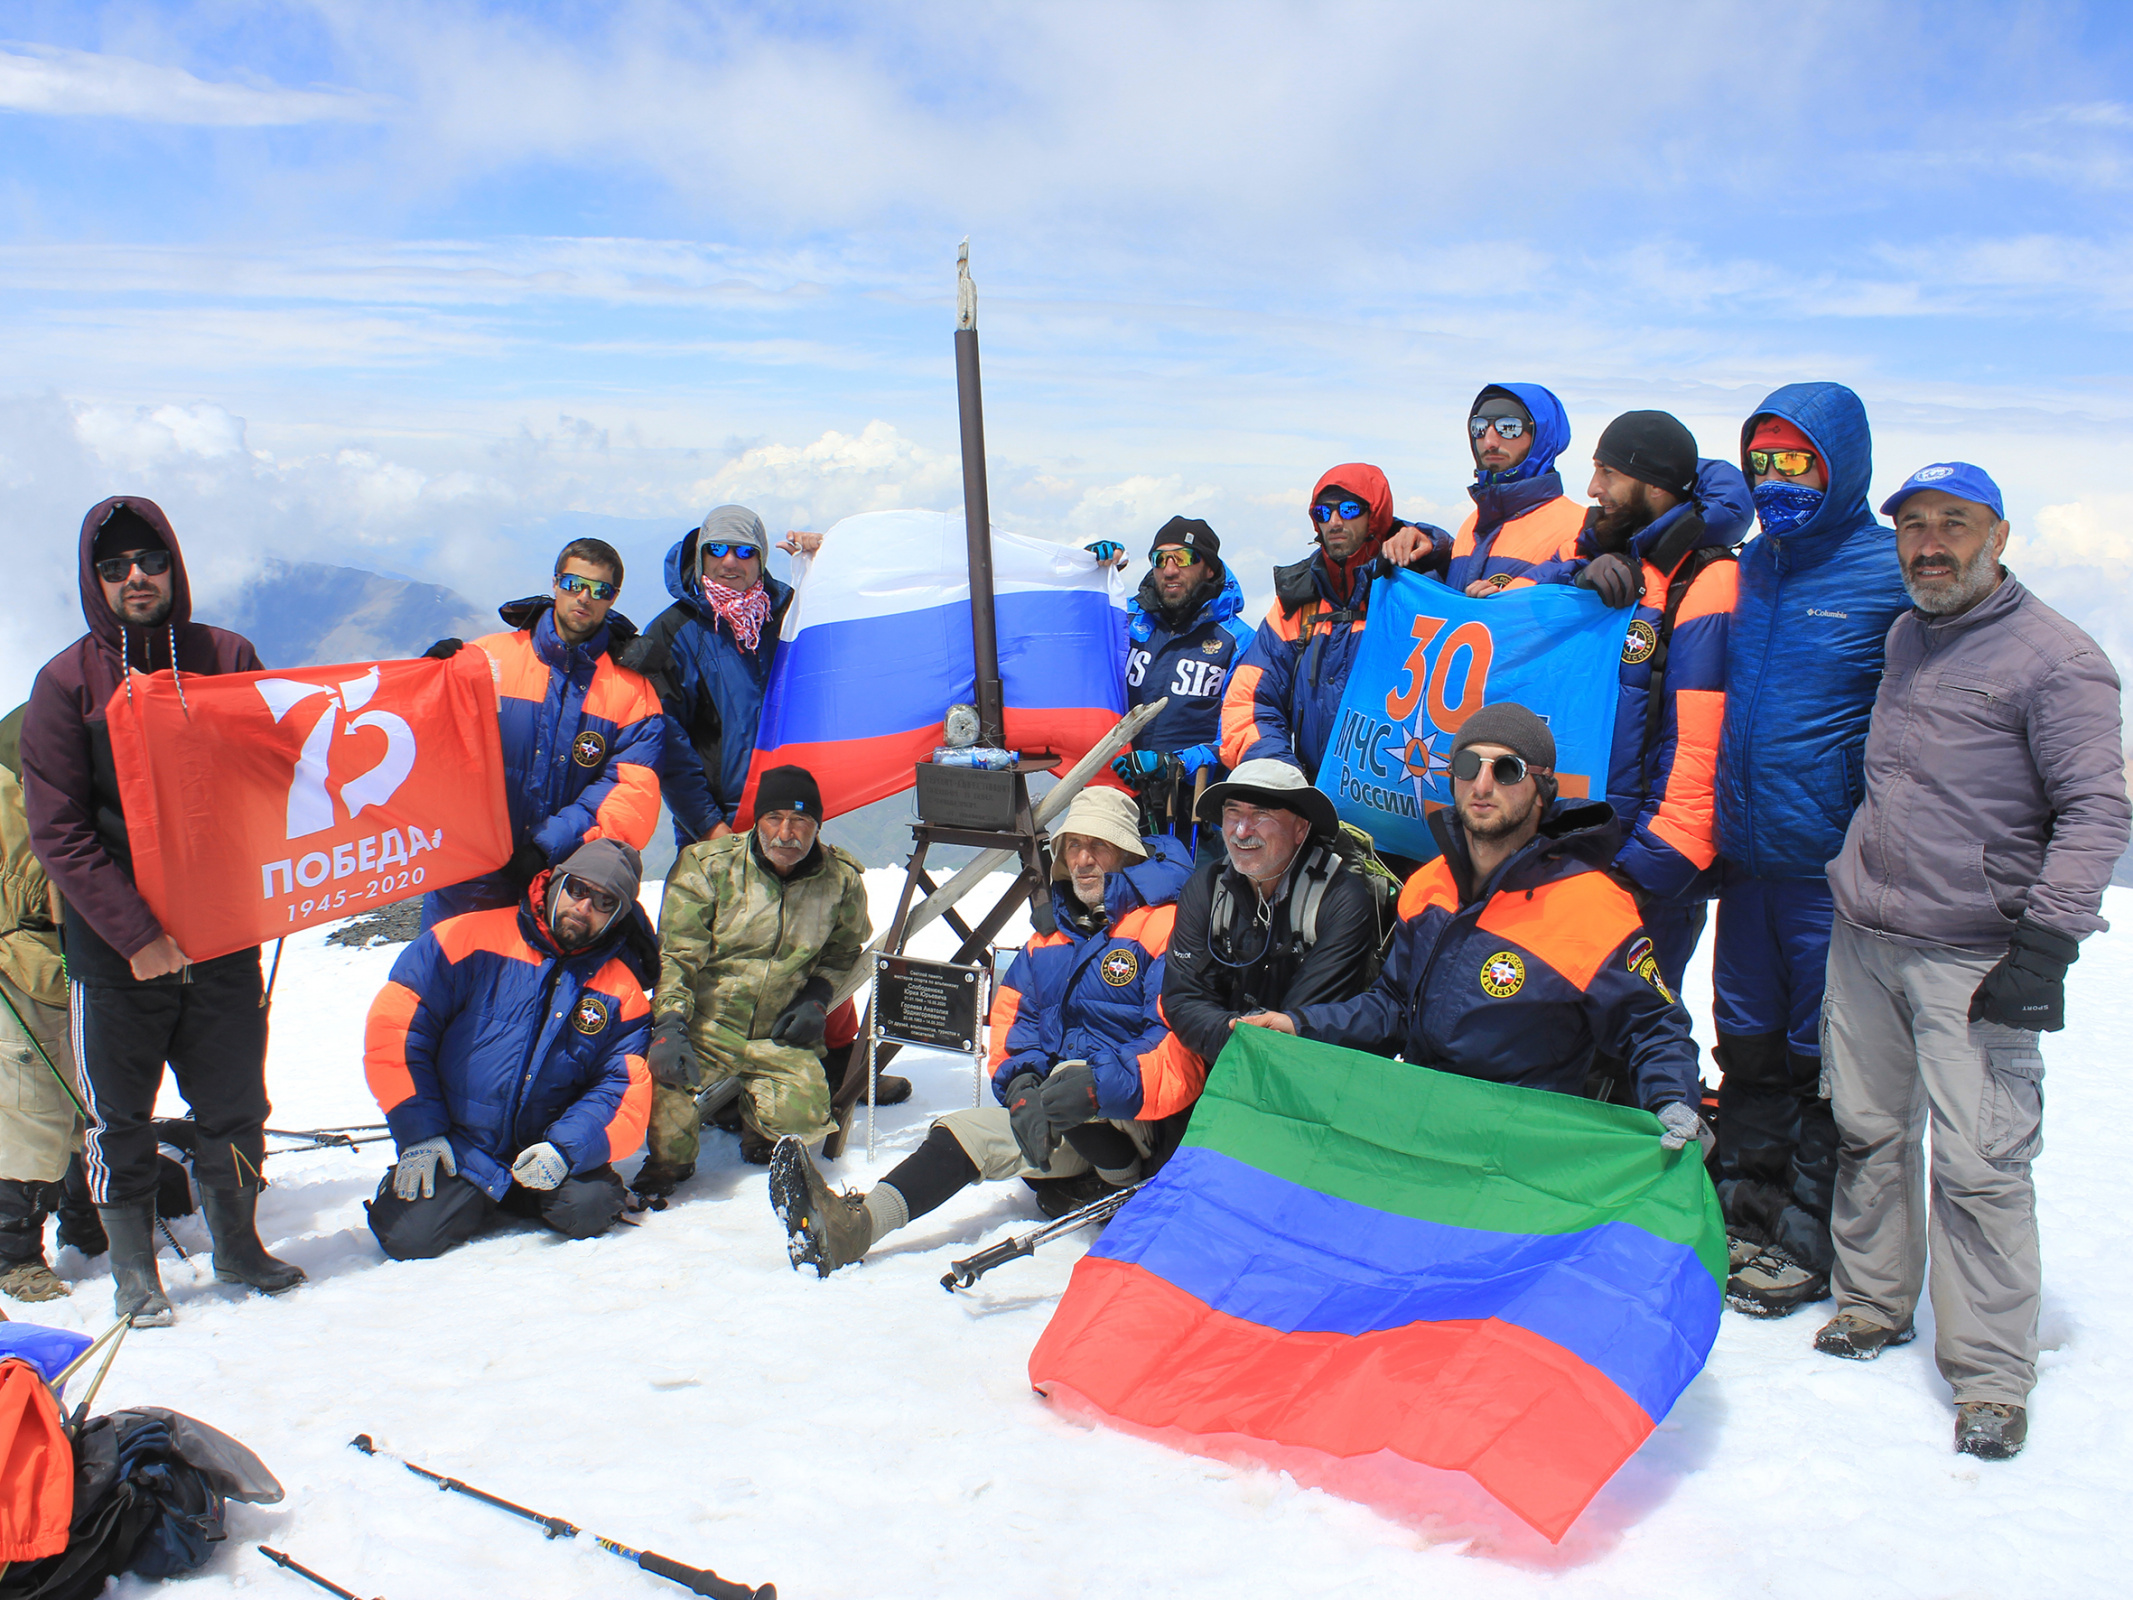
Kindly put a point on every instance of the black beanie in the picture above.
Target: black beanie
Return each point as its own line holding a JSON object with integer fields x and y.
{"x": 1652, "y": 447}
{"x": 1514, "y": 727}
{"x": 124, "y": 529}
{"x": 788, "y": 789}
{"x": 1190, "y": 532}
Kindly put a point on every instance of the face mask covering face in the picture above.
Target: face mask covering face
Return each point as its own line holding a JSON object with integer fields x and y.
{"x": 1784, "y": 507}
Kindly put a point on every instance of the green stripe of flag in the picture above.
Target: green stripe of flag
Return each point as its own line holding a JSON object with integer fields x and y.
{"x": 1452, "y": 1150}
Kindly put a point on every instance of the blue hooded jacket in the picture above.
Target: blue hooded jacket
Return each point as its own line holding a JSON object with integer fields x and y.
{"x": 1190, "y": 667}
{"x": 1501, "y": 497}
{"x": 713, "y": 695}
{"x": 1804, "y": 660}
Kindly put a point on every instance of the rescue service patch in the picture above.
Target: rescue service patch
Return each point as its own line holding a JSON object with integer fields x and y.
{"x": 590, "y": 1014}
{"x": 1118, "y": 968}
{"x": 1641, "y": 641}
{"x": 588, "y": 749}
{"x": 1503, "y": 975}
{"x": 1638, "y": 951}
{"x": 1648, "y": 970}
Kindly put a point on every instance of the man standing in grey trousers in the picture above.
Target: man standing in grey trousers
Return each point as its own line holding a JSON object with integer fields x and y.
{"x": 1995, "y": 809}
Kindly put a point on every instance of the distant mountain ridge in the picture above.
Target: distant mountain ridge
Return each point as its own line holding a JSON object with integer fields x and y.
{"x": 305, "y": 613}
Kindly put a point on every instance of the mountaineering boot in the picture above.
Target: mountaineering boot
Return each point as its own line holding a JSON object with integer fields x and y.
{"x": 239, "y": 1256}
{"x": 23, "y": 1273}
{"x": 657, "y": 1179}
{"x": 137, "y": 1290}
{"x": 823, "y": 1229}
{"x": 1851, "y": 1336}
{"x": 1774, "y": 1285}
{"x": 1059, "y": 1197}
{"x": 1989, "y": 1430}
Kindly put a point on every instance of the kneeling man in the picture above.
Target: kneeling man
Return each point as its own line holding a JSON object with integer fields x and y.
{"x": 507, "y": 1052}
{"x": 1083, "y": 1065}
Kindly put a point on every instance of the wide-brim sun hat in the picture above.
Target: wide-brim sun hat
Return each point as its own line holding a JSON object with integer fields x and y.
{"x": 1273, "y": 785}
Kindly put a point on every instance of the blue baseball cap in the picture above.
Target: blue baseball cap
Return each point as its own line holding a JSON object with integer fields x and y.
{"x": 1958, "y": 478}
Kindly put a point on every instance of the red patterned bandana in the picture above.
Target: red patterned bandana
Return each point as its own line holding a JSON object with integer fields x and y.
{"x": 745, "y": 610}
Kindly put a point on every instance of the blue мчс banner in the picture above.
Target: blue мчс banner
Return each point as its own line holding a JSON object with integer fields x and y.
{"x": 1430, "y": 659}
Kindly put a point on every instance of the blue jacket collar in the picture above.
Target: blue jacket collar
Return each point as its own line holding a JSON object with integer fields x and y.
{"x": 1551, "y": 436}
{"x": 1144, "y": 612}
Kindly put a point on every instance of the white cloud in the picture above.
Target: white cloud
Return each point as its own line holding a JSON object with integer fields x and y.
{"x": 44, "y": 81}
{"x": 2096, "y": 533}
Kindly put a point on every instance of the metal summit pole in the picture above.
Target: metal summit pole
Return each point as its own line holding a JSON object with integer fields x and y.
{"x": 977, "y": 509}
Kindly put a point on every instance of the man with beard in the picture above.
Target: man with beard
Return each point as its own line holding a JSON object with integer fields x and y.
{"x": 1284, "y": 697}
{"x": 1518, "y": 958}
{"x": 1658, "y": 539}
{"x": 1995, "y": 809}
{"x": 1521, "y": 517}
{"x": 138, "y": 1000}
{"x": 1818, "y": 589}
{"x": 507, "y": 1053}
{"x": 1183, "y": 635}
{"x": 1093, "y": 1087}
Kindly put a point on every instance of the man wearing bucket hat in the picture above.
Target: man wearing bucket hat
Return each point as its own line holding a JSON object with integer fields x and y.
{"x": 1518, "y": 958}
{"x": 1089, "y": 1079}
{"x": 1995, "y": 809}
{"x": 1280, "y": 919}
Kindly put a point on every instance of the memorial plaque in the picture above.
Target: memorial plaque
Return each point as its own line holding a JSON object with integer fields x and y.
{"x": 968, "y": 797}
{"x": 927, "y": 1002}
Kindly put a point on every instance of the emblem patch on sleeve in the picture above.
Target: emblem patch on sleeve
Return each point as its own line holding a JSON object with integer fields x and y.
{"x": 1118, "y": 968}
{"x": 589, "y": 1016}
{"x": 1639, "y": 948}
{"x": 1640, "y": 642}
{"x": 588, "y": 749}
{"x": 1503, "y": 975}
{"x": 1648, "y": 970}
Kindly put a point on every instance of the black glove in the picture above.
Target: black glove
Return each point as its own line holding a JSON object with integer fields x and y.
{"x": 527, "y": 862}
{"x": 800, "y": 1024}
{"x": 1070, "y": 1096}
{"x": 1615, "y": 579}
{"x": 671, "y": 1058}
{"x": 444, "y": 649}
{"x": 2028, "y": 988}
{"x": 1027, "y": 1116}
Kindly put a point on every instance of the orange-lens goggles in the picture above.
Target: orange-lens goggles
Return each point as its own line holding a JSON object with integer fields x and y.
{"x": 1176, "y": 558}
{"x": 1785, "y": 463}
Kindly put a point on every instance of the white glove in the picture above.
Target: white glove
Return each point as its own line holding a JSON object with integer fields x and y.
{"x": 540, "y": 1166}
{"x": 1678, "y": 1125}
{"x": 415, "y": 1177}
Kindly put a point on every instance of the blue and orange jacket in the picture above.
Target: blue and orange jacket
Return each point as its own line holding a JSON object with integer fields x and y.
{"x": 713, "y": 691}
{"x": 1522, "y": 517}
{"x": 1284, "y": 695}
{"x": 1525, "y": 978}
{"x": 1097, "y": 997}
{"x": 491, "y": 1036}
{"x": 1189, "y": 666}
{"x": 1804, "y": 659}
{"x": 1666, "y": 798}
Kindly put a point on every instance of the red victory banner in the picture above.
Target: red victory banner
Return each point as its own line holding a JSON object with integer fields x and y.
{"x": 259, "y": 803}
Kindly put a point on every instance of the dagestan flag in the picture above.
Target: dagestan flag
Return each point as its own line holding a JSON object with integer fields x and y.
{"x": 259, "y": 803}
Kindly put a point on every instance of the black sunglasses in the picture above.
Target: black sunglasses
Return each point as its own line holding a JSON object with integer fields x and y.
{"x": 154, "y": 563}
{"x": 1509, "y": 770}
{"x": 601, "y": 900}
{"x": 1347, "y": 511}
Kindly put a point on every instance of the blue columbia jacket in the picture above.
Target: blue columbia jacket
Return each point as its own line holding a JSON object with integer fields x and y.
{"x": 488, "y": 1034}
{"x": 1805, "y": 656}
{"x": 1096, "y": 997}
{"x": 1191, "y": 667}
{"x": 713, "y": 694}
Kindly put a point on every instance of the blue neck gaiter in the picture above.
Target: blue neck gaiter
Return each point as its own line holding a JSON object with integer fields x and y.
{"x": 1783, "y": 508}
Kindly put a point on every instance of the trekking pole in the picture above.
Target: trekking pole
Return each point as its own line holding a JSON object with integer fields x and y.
{"x": 321, "y": 1133}
{"x": 81, "y": 1412}
{"x": 116, "y": 1330}
{"x": 38, "y": 1045}
{"x": 303, "y": 1571}
{"x": 700, "y": 1579}
{"x": 329, "y": 1141}
{"x": 266, "y": 998}
{"x": 962, "y": 1274}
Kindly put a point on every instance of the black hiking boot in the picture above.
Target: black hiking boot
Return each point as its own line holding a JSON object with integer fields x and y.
{"x": 232, "y": 1223}
{"x": 823, "y": 1229}
{"x": 1851, "y": 1336}
{"x": 137, "y": 1288}
{"x": 1774, "y": 1285}
{"x": 1990, "y": 1430}
{"x": 1056, "y": 1197}
{"x": 79, "y": 1224}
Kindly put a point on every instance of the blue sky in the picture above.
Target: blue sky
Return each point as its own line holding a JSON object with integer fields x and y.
{"x": 403, "y": 285}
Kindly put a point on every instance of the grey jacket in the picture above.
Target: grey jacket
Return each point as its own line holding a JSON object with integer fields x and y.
{"x": 1995, "y": 779}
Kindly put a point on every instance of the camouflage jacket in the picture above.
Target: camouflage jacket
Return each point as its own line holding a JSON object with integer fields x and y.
{"x": 29, "y": 942}
{"x": 737, "y": 942}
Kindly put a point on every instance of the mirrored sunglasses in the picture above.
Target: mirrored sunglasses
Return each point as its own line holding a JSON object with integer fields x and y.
{"x": 1785, "y": 463}
{"x": 739, "y": 552}
{"x": 1508, "y": 770}
{"x": 1506, "y": 427}
{"x": 571, "y": 583}
{"x": 1176, "y": 558}
{"x": 154, "y": 563}
{"x": 1347, "y": 511}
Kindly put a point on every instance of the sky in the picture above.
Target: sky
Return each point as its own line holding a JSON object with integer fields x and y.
{"x": 426, "y": 288}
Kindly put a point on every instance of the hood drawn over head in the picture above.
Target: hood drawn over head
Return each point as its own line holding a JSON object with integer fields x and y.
{"x": 1551, "y": 430}
{"x": 1834, "y": 420}
{"x": 683, "y": 571}
{"x": 1367, "y": 484}
{"x": 96, "y": 611}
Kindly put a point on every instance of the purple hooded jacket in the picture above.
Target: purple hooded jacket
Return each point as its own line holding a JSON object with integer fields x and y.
{"x": 70, "y": 787}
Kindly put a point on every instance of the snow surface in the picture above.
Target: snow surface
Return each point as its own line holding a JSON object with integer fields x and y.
{"x": 677, "y": 1386}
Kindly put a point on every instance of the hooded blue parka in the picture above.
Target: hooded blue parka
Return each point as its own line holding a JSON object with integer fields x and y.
{"x": 1529, "y": 494}
{"x": 1804, "y": 660}
{"x": 1190, "y": 666}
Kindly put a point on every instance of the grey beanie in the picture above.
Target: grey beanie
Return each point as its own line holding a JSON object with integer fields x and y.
{"x": 730, "y": 525}
{"x": 1511, "y": 725}
{"x": 605, "y": 864}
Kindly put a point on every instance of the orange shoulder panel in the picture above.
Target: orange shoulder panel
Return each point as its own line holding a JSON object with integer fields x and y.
{"x": 1463, "y": 540}
{"x": 621, "y": 696}
{"x": 1549, "y": 532}
{"x": 1171, "y": 1077}
{"x": 1006, "y": 1006}
{"x": 493, "y": 931}
{"x": 1430, "y": 885}
{"x": 1149, "y": 927}
{"x": 620, "y": 984}
{"x": 385, "y": 1045}
{"x": 1713, "y": 592}
{"x": 1573, "y": 924}
{"x": 1240, "y": 707}
{"x": 520, "y": 673}
{"x": 1687, "y": 816}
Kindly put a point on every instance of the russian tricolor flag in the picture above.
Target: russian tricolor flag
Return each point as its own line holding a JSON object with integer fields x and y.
{"x": 876, "y": 648}
{"x": 1361, "y": 1263}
